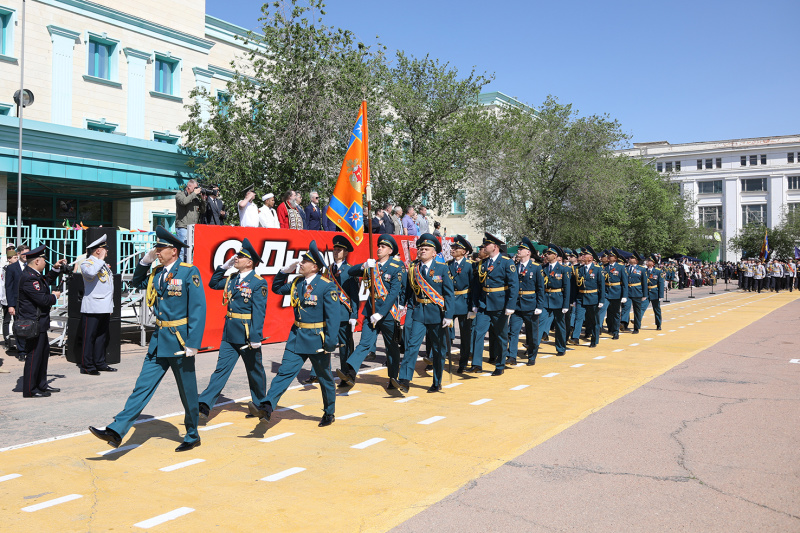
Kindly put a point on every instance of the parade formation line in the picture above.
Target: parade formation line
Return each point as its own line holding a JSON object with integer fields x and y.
{"x": 384, "y": 460}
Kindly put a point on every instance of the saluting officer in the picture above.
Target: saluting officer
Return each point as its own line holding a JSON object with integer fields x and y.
{"x": 175, "y": 292}
{"x": 616, "y": 290}
{"x": 655, "y": 287}
{"x": 96, "y": 308}
{"x": 461, "y": 270}
{"x": 556, "y": 296}
{"x": 387, "y": 278}
{"x": 313, "y": 336}
{"x": 244, "y": 293}
{"x": 429, "y": 292}
{"x": 527, "y": 305}
{"x": 637, "y": 291}
{"x": 497, "y": 286}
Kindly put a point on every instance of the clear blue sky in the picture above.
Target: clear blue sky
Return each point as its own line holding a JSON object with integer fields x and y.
{"x": 677, "y": 71}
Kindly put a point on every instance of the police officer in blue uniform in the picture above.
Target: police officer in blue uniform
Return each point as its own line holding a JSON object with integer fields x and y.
{"x": 96, "y": 308}
{"x": 528, "y": 304}
{"x": 387, "y": 278}
{"x": 637, "y": 291}
{"x": 557, "y": 282}
{"x": 429, "y": 292}
{"x": 314, "y": 333}
{"x": 34, "y": 303}
{"x": 493, "y": 301}
{"x": 655, "y": 287}
{"x": 244, "y": 293}
{"x": 347, "y": 288}
{"x": 590, "y": 282}
{"x": 616, "y": 291}
{"x": 461, "y": 270}
{"x": 175, "y": 292}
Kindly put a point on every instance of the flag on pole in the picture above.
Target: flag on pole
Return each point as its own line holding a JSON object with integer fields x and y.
{"x": 764, "y": 248}
{"x": 346, "y": 206}
{"x": 796, "y": 252}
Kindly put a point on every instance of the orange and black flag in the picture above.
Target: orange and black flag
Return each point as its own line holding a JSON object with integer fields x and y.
{"x": 346, "y": 206}
{"x": 764, "y": 255}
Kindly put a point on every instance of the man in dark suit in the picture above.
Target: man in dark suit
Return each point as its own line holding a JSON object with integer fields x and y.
{"x": 386, "y": 220}
{"x": 13, "y": 275}
{"x": 313, "y": 219}
{"x": 215, "y": 209}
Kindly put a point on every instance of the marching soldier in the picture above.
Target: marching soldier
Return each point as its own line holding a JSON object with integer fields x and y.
{"x": 655, "y": 288}
{"x": 759, "y": 273}
{"x": 430, "y": 294}
{"x": 492, "y": 303}
{"x": 527, "y": 305}
{"x": 637, "y": 291}
{"x": 461, "y": 270}
{"x": 315, "y": 301}
{"x": 749, "y": 276}
{"x": 386, "y": 277}
{"x": 245, "y": 295}
{"x": 616, "y": 291}
{"x": 96, "y": 308}
{"x": 556, "y": 296}
{"x": 175, "y": 292}
{"x": 601, "y": 312}
{"x": 590, "y": 282}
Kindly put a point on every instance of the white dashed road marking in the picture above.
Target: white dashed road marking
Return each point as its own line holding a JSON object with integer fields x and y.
{"x": 9, "y": 477}
{"x": 409, "y": 398}
{"x": 519, "y": 387}
{"x": 290, "y": 408}
{"x": 285, "y": 473}
{"x": 182, "y": 465}
{"x": 619, "y": 350}
{"x": 166, "y": 517}
{"x": 451, "y": 386}
{"x": 277, "y": 437}
{"x": 482, "y": 401}
{"x": 215, "y": 426}
{"x": 50, "y": 503}
{"x": 797, "y": 361}
{"x": 123, "y": 448}
{"x": 367, "y": 443}
{"x": 351, "y": 415}
{"x": 577, "y": 366}
{"x": 600, "y": 357}
{"x": 431, "y": 420}
{"x": 550, "y": 375}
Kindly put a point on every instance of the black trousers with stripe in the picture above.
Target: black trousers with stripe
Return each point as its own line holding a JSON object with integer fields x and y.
{"x": 95, "y": 340}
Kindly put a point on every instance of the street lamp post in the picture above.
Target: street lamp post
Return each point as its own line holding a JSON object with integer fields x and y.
{"x": 23, "y": 99}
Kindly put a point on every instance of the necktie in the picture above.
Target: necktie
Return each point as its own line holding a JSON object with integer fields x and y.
{"x": 424, "y": 270}
{"x": 302, "y": 288}
{"x": 334, "y": 269}
{"x": 489, "y": 263}
{"x": 163, "y": 277}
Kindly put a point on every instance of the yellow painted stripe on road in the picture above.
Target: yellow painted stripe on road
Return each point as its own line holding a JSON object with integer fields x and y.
{"x": 317, "y": 476}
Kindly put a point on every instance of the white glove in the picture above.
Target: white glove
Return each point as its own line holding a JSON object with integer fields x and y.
{"x": 289, "y": 269}
{"x": 447, "y": 322}
{"x": 471, "y": 315}
{"x": 537, "y": 312}
{"x": 255, "y": 345}
{"x": 353, "y": 322}
{"x": 509, "y": 312}
{"x": 565, "y": 310}
{"x": 370, "y": 263}
{"x": 149, "y": 257}
{"x": 191, "y": 352}
{"x": 375, "y": 318}
{"x": 229, "y": 263}
{"x": 623, "y": 300}
{"x": 600, "y": 305}
{"x": 474, "y": 309}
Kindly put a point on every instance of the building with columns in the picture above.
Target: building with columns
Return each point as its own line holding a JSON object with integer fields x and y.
{"x": 732, "y": 182}
{"x": 111, "y": 81}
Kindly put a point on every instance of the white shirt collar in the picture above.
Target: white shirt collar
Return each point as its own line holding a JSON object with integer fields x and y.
{"x": 428, "y": 263}
{"x": 524, "y": 264}
{"x": 243, "y": 275}
{"x": 310, "y": 278}
{"x": 494, "y": 257}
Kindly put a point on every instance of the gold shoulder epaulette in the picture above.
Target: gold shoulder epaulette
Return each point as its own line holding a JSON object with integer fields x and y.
{"x": 186, "y": 264}
{"x": 258, "y": 277}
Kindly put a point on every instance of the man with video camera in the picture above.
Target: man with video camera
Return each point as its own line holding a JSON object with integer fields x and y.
{"x": 190, "y": 205}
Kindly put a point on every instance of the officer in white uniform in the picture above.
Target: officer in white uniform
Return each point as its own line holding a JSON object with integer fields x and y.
{"x": 96, "y": 308}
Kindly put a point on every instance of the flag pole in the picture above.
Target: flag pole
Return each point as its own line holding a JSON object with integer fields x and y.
{"x": 369, "y": 196}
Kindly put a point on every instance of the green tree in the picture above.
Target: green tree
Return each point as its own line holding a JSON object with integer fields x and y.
{"x": 749, "y": 239}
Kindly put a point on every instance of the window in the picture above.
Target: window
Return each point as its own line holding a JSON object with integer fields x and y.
{"x": 677, "y": 166}
{"x": 659, "y": 166}
{"x": 709, "y": 164}
{"x": 223, "y": 101}
{"x": 753, "y": 160}
{"x": 711, "y": 217}
{"x": 668, "y": 166}
{"x": 754, "y": 214}
{"x": 794, "y": 183}
{"x": 5, "y": 109}
{"x": 460, "y": 203}
{"x": 101, "y": 125}
{"x": 99, "y": 54}
{"x": 6, "y": 32}
{"x": 167, "y": 75}
{"x": 165, "y": 137}
{"x": 709, "y": 187}
{"x": 792, "y": 211}
{"x": 790, "y": 157}
{"x": 719, "y": 162}
{"x": 699, "y": 164}
{"x": 763, "y": 159}
{"x": 743, "y": 159}
{"x": 163, "y": 218}
{"x": 102, "y": 61}
{"x": 754, "y": 185}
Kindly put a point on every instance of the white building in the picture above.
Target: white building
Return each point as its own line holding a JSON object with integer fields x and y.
{"x": 733, "y": 182}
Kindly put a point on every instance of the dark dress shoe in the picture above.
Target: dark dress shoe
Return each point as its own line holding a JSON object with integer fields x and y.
{"x": 593, "y": 345}
{"x": 428, "y": 368}
{"x": 391, "y": 386}
{"x": 615, "y": 337}
{"x": 108, "y": 435}
{"x": 545, "y": 338}
{"x": 346, "y": 378}
{"x": 263, "y": 411}
{"x": 327, "y": 420}
{"x": 658, "y": 328}
{"x": 37, "y": 394}
{"x": 107, "y": 369}
{"x": 186, "y": 446}
{"x": 511, "y": 361}
{"x": 461, "y": 370}
{"x": 574, "y": 342}
{"x": 559, "y": 354}
{"x": 402, "y": 385}
{"x": 475, "y": 370}
{"x": 204, "y": 411}
{"x": 90, "y": 372}
{"x": 51, "y": 389}
{"x": 635, "y": 332}
{"x": 497, "y": 372}
{"x": 371, "y": 356}
{"x": 435, "y": 388}
{"x": 531, "y": 362}
{"x": 311, "y": 380}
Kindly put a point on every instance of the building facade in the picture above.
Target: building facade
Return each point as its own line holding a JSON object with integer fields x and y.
{"x": 732, "y": 182}
{"x": 101, "y": 141}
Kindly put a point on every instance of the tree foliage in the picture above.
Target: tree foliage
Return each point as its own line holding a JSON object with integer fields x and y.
{"x": 782, "y": 239}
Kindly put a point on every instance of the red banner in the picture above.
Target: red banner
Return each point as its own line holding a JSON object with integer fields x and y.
{"x": 213, "y": 245}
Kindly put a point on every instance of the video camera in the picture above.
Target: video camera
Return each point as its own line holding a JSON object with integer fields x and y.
{"x": 208, "y": 191}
